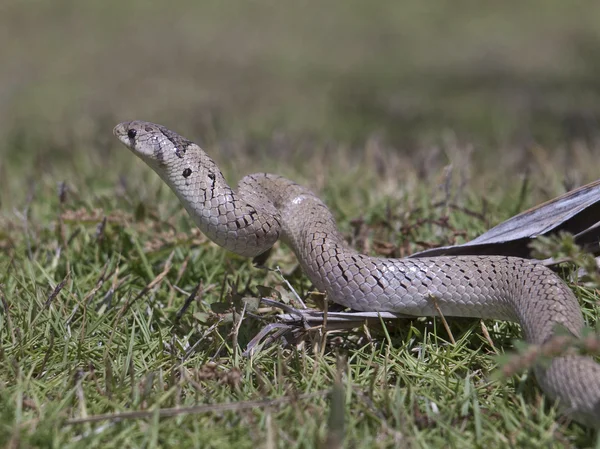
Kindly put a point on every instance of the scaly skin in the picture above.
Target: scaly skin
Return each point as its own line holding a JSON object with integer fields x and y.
{"x": 268, "y": 207}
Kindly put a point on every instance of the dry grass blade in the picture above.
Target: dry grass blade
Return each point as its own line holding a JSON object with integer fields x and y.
{"x": 443, "y": 318}
{"x": 56, "y": 291}
{"x": 198, "y": 409}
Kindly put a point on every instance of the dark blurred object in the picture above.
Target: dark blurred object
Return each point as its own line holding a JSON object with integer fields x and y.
{"x": 576, "y": 212}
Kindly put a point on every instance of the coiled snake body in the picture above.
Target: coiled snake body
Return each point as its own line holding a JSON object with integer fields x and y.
{"x": 267, "y": 207}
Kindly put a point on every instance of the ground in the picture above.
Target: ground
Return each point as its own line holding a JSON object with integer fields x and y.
{"x": 418, "y": 126}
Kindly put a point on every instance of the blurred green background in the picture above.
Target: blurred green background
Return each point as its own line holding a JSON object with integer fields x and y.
{"x": 495, "y": 73}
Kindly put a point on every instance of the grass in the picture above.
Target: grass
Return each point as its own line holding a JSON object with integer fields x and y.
{"x": 97, "y": 274}
{"x": 420, "y": 124}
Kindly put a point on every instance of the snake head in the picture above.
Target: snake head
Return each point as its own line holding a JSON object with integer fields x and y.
{"x": 154, "y": 144}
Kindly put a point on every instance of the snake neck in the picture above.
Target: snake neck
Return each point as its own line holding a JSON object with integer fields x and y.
{"x": 224, "y": 216}
{"x": 307, "y": 225}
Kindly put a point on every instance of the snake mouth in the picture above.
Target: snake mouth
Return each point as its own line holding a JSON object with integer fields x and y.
{"x": 128, "y": 134}
{"x": 120, "y": 130}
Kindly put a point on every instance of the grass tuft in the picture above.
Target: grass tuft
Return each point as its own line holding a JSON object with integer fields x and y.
{"x": 121, "y": 325}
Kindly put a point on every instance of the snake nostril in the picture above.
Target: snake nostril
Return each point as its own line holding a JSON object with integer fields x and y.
{"x": 131, "y": 133}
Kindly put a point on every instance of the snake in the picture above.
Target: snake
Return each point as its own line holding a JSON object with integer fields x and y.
{"x": 265, "y": 208}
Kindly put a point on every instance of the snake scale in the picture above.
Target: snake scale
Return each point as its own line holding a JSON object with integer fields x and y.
{"x": 268, "y": 207}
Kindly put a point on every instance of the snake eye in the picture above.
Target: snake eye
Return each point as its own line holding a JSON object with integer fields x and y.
{"x": 131, "y": 133}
